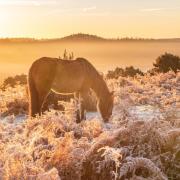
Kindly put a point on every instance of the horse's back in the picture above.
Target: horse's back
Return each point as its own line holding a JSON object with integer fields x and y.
{"x": 70, "y": 76}
{"x": 43, "y": 70}
{"x": 44, "y": 61}
{"x": 62, "y": 75}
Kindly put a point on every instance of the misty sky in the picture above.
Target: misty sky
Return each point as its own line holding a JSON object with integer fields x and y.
{"x": 108, "y": 18}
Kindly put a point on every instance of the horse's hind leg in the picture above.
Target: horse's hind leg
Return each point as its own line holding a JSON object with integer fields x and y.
{"x": 42, "y": 98}
{"x": 43, "y": 91}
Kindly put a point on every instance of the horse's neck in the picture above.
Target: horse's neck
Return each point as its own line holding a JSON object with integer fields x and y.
{"x": 99, "y": 87}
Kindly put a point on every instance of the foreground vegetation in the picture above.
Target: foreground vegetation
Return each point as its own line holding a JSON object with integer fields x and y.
{"x": 130, "y": 146}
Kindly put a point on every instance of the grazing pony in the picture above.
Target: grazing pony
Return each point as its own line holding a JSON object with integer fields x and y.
{"x": 67, "y": 77}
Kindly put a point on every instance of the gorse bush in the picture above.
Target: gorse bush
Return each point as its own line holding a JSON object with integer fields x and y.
{"x": 167, "y": 62}
{"x": 128, "y": 71}
{"x": 12, "y": 81}
{"x": 131, "y": 71}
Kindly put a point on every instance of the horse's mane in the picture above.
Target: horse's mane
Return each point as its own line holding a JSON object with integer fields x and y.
{"x": 97, "y": 81}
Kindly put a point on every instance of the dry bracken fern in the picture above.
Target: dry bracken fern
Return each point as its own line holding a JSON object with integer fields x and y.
{"x": 143, "y": 142}
{"x": 133, "y": 164}
{"x": 167, "y": 140}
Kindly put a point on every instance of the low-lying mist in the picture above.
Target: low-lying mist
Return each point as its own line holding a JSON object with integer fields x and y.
{"x": 16, "y": 58}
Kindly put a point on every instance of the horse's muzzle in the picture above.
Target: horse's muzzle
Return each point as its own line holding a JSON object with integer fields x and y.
{"x": 106, "y": 119}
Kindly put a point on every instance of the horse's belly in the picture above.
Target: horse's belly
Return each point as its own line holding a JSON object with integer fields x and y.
{"x": 66, "y": 87}
{"x": 68, "y": 79}
{"x": 63, "y": 90}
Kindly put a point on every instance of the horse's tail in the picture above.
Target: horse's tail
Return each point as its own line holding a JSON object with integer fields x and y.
{"x": 33, "y": 96}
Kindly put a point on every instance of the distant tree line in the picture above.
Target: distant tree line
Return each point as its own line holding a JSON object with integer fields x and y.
{"x": 83, "y": 37}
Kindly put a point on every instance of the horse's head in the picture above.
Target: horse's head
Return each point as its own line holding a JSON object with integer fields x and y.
{"x": 105, "y": 106}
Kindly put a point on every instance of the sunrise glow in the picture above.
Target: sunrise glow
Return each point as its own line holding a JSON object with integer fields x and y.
{"x": 116, "y": 18}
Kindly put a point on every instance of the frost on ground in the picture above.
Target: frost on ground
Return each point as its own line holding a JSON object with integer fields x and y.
{"x": 141, "y": 141}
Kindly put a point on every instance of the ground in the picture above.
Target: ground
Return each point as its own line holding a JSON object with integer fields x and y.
{"x": 141, "y": 140}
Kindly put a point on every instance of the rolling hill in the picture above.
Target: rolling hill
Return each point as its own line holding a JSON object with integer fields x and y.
{"x": 84, "y": 37}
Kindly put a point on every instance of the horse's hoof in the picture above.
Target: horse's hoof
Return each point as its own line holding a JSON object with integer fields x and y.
{"x": 78, "y": 121}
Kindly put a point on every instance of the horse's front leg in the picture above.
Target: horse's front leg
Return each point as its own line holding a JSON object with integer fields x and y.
{"x": 82, "y": 109}
{"x": 78, "y": 117}
{"x": 83, "y": 98}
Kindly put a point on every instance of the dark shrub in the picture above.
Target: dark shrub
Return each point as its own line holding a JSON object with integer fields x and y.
{"x": 131, "y": 71}
{"x": 16, "y": 107}
{"x": 115, "y": 74}
{"x": 12, "y": 81}
{"x": 128, "y": 71}
{"x": 167, "y": 62}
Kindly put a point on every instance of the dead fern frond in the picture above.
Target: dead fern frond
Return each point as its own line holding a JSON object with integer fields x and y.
{"x": 112, "y": 154}
{"x": 135, "y": 163}
{"x": 167, "y": 140}
{"x": 121, "y": 133}
{"x": 50, "y": 175}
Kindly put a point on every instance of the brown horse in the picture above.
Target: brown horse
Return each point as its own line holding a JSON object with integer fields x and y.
{"x": 67, "y": 77}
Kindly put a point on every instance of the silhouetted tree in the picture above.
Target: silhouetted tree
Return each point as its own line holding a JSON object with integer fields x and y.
{"x": 67, "y": 56}
{"x": 167, "y": 62}
{"x": 71, "y": 56}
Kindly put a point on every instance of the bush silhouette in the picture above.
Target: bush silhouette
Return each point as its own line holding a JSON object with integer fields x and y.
{"x": 115, "y": 74}
{"x": 128, "y": 71}
{"x": 12, "y": 81}
{"x": 167, "y": 62}
{"x": 131, "y": 71}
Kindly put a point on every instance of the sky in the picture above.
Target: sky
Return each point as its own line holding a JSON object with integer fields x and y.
{"x": 106, "y": 18}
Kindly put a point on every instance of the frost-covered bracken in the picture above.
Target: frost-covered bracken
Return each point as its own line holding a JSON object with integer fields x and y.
{"x": 141, "y": 141}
